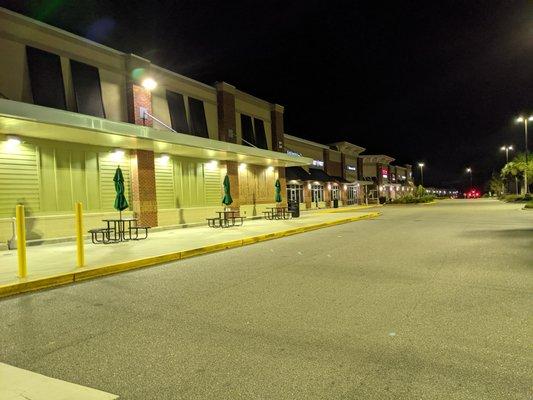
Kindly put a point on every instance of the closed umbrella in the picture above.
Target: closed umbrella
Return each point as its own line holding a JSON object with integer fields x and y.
{"x": 120, "y": 200}
{"x": 277, "y": 185}
{"x": 227, "y": 200}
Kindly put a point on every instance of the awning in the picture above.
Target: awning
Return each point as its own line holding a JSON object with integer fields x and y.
{"x": 29, "y": 120}
{"x": 296, "y": 174}
{"x": 320, "y": 176}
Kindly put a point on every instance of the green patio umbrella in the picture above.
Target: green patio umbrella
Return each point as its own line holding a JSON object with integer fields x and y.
{"x": 277, "y": 185}
{"x": 227, "y": 200}
{"x": 120, "y": 200}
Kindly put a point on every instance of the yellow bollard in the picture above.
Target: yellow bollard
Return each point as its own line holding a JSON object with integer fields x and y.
{"x": 21, "y": 241}
{"x": 80, "y": 251}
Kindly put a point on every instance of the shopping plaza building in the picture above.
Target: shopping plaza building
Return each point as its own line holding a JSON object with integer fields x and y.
{"x": 72, "y": 110}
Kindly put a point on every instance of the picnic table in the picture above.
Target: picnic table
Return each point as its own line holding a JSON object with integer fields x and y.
{"x": 226, "y": 219}
{"x": 278, "y": 212}
{"x": 119, "y": 230}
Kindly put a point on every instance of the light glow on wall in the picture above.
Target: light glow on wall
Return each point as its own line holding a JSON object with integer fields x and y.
{"x": 211, "y": 165}
{"x": 149, "y": 83}
{"x": 117, "y": 155}
{"x": 163, "y": 159}
{"x": 270, "y": 169}
{"x": 242, "y": 167}
{"x": 12, "y": 143}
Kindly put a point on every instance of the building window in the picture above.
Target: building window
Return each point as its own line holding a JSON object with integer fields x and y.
{"x": 198, "y": 122}
{"x": 335, "y": 192}
{"x": 260, "y": 135}
{"x": 248, "y": 137}
{"x": 87, "y": 90}
{"x": 317, "y": 193}
{"x": 46, "y": 78}
{"x": 351, "y": 194}
{"x": 295, "y": 193}
{"x": 176, "y": 108}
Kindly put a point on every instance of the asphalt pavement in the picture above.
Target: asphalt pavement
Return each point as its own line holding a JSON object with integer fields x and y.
{"x": 425, "y": 302}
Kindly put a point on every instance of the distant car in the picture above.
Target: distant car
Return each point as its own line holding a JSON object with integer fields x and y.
{"x": 473, "y": 194}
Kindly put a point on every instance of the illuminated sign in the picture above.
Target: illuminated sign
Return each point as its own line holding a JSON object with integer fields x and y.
{"x": 384, "y": 172}
{"x": 294, "y": 153}
{"x": 351, "y": 168}
{"x": 318, "y": 163}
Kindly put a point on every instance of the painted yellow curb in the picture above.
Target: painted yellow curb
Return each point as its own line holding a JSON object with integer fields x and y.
{"x": 89, "y": 273}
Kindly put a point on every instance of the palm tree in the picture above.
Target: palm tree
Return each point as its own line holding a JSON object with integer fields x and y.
{"x": 516, "y": 167}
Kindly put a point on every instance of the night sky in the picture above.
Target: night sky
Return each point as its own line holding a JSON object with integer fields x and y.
{"x": 432, "y": 81}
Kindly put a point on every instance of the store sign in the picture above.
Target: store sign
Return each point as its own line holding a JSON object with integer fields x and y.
{"x": 294, "y": 153}
{"x": 351, "y": 168}
{"x": 385, "y": 172}
{"x": 318, "y": 163}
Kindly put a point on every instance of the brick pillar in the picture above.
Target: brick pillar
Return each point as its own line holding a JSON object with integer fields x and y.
{"x": 278, "y": 133}
{"x": 307, "y": 195}
{"x": 138, "y": 98}
{"x": 143, "y": 187}
{"x": 232, "y": 170}
{"x": 142, "y": 161}
{"x": 283, "y": 182}
{"x": 227, "y": 125}
{"x": 343, "y": 166}
{"x": 359, "y": 169}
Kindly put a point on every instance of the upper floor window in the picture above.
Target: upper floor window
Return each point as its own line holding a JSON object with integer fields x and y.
{"x": 87, "y": 89}
{"x": 253, "y": 134}
{"x": 46, "y": 79}
{"x": 197, "y": 118}
{"x": 176, "y": 108}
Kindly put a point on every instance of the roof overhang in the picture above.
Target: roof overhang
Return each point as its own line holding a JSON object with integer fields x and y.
{"x": 348, "y": 148}
{"x": 381, "y": 158}
{"x": 29, "y": 120}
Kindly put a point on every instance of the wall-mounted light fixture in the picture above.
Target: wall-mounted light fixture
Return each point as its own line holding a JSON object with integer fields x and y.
{"x": 149, "y": 83}
{"x": 117, "y": 155}
{"x": 163, "y": 158}
{"x": 242, "y": 166}
{"x": 270, "y": 169}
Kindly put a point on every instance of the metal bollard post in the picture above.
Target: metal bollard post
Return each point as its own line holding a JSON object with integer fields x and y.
{"x": 80, "y": 251}
{"x": 21, "y": 241}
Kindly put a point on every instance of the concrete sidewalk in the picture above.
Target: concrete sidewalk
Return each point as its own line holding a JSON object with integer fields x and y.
{"x": 56, "y": 262}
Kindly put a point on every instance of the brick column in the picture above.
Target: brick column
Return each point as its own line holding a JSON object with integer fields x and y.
{"x": 307, "y": 195}
{"x": 227, "y": 125}
{"x": 138, "y": 98}
{"x": 143, "y": 187}
{"x": 343, "y": 166}
{"x": 232, "y": 170}
{"x": 278, "y": 133}
{"x": 142, "y": 161}
{"x": 283, "y": 182}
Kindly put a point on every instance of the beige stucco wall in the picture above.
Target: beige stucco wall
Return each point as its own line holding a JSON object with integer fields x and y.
{"x": 14, "y": 75}
{"x": 334, "y": 155}
{"x": 307, "y": 150}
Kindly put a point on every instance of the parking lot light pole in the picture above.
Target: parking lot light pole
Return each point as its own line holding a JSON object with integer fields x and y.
{"x": 421, "y": 166}
{"x": 525, "y": 120}
{"x": 506, "y": 149}
{"x": 469, "y": 171}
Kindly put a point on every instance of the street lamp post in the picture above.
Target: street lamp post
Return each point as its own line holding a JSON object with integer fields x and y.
{"x": 421, "y": 166}
{"x": 506, "y": 149}
{"x": 525, "y": 121}
{"x": 469, "y": 171}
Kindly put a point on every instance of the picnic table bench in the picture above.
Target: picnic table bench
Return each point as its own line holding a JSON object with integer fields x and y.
{"x": 277, "y": 213}
{"x": 226, "y": 219}
{"x": 116, "y": 231}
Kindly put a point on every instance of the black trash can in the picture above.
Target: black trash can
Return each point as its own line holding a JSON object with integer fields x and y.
{"x": 335, "y": 203}
{"x": 294, "y": 208}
